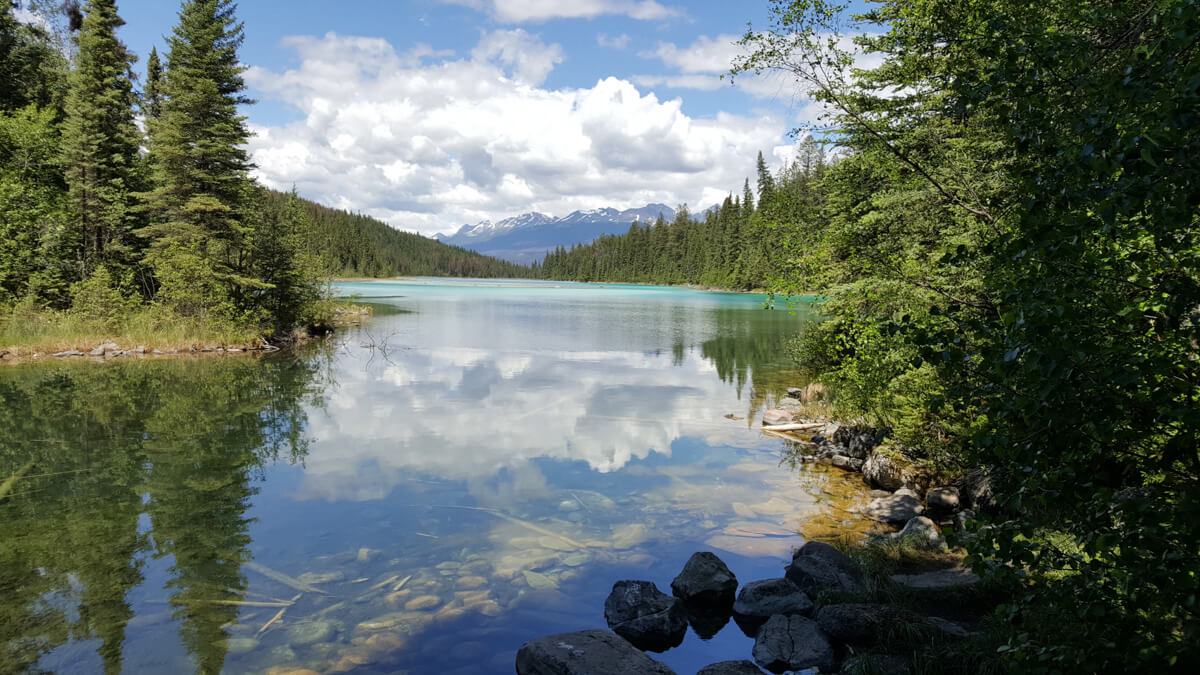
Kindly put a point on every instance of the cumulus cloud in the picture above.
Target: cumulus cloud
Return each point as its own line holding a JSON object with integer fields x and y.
{"x": 520, "y": 11}
{"x": 701, "y": 65}
{"x": 428, "y": 141}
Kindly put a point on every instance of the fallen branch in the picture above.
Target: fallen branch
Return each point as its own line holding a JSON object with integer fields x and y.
{"x": 810, "y": 426}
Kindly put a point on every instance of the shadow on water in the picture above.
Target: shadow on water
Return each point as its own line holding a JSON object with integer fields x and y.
{"x": 102, "y": 448}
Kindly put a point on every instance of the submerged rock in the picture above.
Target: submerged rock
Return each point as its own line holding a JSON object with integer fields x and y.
{"x": 237, "y": 646}
{"x": 792, "y": 643}
{"x": 309, "y": 632}
{"x": 644, "y": 615}
{"x": 705, "y": 579}
{"x": 588, "y": 652}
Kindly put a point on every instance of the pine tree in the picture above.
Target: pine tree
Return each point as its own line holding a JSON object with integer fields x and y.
{"x": 766, "y": 183}
{"x": 100, "y": 145}
{"x": 152, "y": 95}
{"x": 198, "y": 228}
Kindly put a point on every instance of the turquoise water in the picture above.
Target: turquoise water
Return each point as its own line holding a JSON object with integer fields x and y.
{"x": 472, "y": 467}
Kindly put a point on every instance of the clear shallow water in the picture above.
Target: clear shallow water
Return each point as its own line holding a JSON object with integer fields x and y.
{"x": 472, "y": 468}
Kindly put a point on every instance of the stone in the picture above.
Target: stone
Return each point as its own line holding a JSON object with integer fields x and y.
{"x": 795, "y": 392}
{"x": 895, "y": 509}
{"x": 422, "y": 602}
{"x": 705, "y": 579}
{"x": 954, "y": 577}
{"x": 842, "y": 461}
{"x": 792, "y": 643}
{"x": 943, "y": 499}
{"x": 98, "y": 351}
{"x": 829, "y": 554}
{"x": 776, "y": 416}
{"x": 644, "y": 615}
{"x": 237, "y": 646}
{"x": 884, "y": 472}
{"x": 860, "y": 623}
{"x": 770, "y": 597}
{"x": 731, "y": 668}
{"x": 588, "y": 652}
{"x": 977, "y": 488}
{"x": 470, "y": 582}
{"x": 962, "y": 518}
{"x": 815, "y": 574}
{"x": 309, "y": 632}
{"x": 539, "y": 581}
{"x": 921, "y": 532}
{"x": 874, "y": 664}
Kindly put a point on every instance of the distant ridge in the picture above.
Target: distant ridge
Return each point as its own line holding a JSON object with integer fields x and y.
{"x": 527, "y": 238}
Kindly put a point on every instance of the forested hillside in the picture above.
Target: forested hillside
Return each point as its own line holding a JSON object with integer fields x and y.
{"x": 354, "y": 245}
{"x": 736, "y": 245}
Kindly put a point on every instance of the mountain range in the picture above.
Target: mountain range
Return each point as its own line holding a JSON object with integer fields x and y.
{"x": 528, "y": 237}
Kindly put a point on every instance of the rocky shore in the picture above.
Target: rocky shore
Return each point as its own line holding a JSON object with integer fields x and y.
{"x": 796, "y": 621}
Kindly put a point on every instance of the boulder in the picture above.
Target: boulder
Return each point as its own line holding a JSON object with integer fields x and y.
{"x": 98, "y": 351}
{"x": 942, "y": 499}
{"x": 861, "y": 623}
{"x": 705, "y": 579}
{"x": 644, "y": 615}
{"x": 882, "y": 471}
{"x": 812, "y": 573}
{"x": 777, "y": 416}
{"x": 792, "y": 643}
{"x": 588, "y": 652}
{"x": 731, "y": 668}
{"x": 895, "y": 509}
{"x": 977, "y": 489}
{"x": 795, "y": 392}
{"x": 921, "y": 533}
{"x": 772, "y": 597}
{"x": 830, "y": 554}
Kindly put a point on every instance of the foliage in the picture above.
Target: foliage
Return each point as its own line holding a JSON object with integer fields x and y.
{"x": 1017, "y": 176}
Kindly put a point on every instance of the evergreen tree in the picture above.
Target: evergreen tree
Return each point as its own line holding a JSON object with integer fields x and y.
{"x": 152, "y": 95}
{"x": 766, "y": 182}
{"x": 198, "y": 229}
{"x": 100, "y": 145}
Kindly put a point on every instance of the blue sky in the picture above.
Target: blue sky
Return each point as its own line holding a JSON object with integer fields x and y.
{"x": 434, "y": 113}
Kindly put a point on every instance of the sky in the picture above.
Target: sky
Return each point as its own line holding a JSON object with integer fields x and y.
{"x": 431, "y": 114}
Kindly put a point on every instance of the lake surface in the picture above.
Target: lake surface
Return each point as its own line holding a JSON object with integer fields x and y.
{"x": 473, "y": 467}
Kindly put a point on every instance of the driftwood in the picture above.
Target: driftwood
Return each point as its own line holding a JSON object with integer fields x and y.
{"x": 808, "y": 426}
{"x": 278, "y": 616}
{"x": 283, "y": 578}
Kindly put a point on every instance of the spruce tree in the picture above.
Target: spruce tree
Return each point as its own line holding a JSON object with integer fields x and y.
{"x": 766, "y": 183}
{"x": 100, "y": 145}
{"x": 198, "y": 231}
{"x": 152, "y": 95}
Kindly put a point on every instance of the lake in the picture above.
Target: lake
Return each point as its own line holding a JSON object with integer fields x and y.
{"x": 473, "y": 467}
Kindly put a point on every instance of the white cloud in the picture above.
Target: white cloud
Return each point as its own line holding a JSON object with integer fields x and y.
{"x": 428, "y": 142}
{"x": 613, "y": 42}
{"x": 519, "y": 11}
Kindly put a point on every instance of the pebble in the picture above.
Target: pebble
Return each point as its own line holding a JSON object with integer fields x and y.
{"x": 423, "y": 602}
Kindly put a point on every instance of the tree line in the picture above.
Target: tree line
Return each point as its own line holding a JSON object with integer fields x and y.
{"x": 1008, "y": 252}
{"x": 735, "y": 245}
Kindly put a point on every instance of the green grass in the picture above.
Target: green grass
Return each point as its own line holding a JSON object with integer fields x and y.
{"x": 25, "y": 332}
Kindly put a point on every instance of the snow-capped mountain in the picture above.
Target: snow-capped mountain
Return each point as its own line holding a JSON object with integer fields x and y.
{"x": 526, "y": 238}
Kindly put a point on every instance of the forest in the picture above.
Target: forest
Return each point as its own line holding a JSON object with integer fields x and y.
{"x": 132, "y": 212}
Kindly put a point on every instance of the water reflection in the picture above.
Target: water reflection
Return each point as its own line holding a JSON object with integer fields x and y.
{"x": 104, "y": 448}
{"x": 430, "y": 506}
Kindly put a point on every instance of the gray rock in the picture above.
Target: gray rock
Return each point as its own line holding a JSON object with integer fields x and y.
{"x": 310, "y": 632}
{"x": 98, "y": 351}
{"x": 791, "y": 643}
{"x": 793, "y": 392}
{"x": 770, "y": 597}
{"x": 776, "y": 416}
{"x": 944, "y": 499}
{"x": 842, "y": 461}
{"x": 860, "y": 623}
{"x": 874, "y": 664}
{"x": 731, "y": 668}
{"x": 962, "y": 518}
{"x": 705, "y": 579}
{"x": 921, "y": 533}
{"x": 816, "y": 574}
{"x": 883, "y": 472}
{"x": 830, "y": 554}
{"x": 977, "y": 488}
{"x": 588, "y": 652}
{"x": 644, "y": 615}
{"x": 895, "y": 509}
